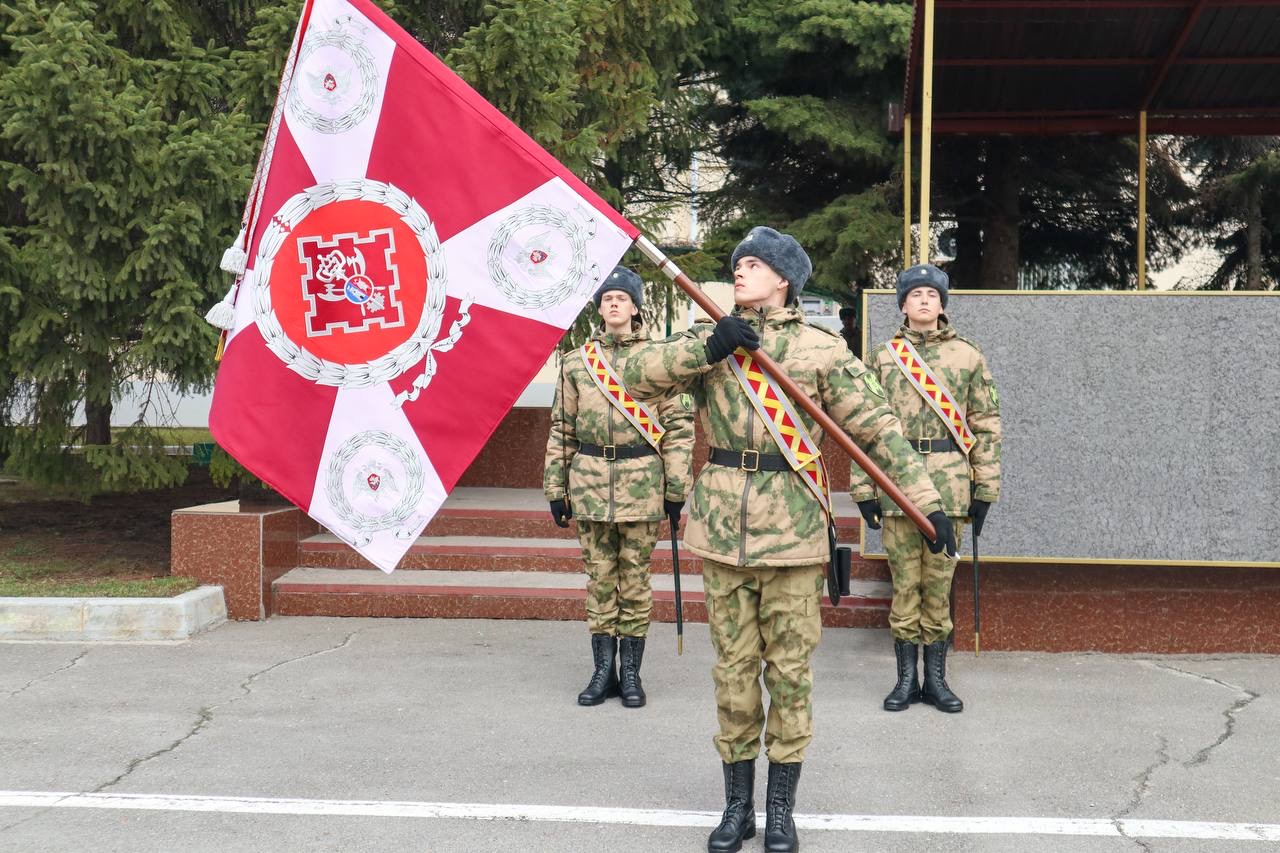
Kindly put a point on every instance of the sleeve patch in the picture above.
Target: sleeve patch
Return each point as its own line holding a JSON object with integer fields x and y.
{"x": 995, "y": 397}
{"x": 873, "y": 384}
{"x": 686, "y": 400}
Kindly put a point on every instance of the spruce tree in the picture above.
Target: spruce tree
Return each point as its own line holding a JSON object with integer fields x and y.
{"x": 122, "y": 172}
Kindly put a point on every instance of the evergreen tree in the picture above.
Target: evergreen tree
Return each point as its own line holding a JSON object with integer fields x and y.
{"x": 121, "y": 177}
{"x": 1237, "y": 208}
{"x": 803, "y": 130}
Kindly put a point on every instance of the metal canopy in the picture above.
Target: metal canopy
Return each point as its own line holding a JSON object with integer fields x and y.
{"x": 1047, "y": 67}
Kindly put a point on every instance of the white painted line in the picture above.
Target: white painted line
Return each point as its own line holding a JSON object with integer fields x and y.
{"x": 922, "y": 824}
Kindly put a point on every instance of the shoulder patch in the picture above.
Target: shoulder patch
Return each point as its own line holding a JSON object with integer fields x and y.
{"x": 873, "y": 384}
{"x": 995, "y": 397}
{"x": 686, "y": 401}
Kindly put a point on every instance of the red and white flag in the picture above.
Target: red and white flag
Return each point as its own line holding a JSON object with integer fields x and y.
{"x": 413, "y": 258}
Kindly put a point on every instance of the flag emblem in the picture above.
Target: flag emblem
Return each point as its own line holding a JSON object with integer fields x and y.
{"x": 538, "y": 255}
{"x": 350, "y": 283}
{"x": 339, "y": 80}
{"x": 375, "y": 483}
{"x": 343, "y": 291}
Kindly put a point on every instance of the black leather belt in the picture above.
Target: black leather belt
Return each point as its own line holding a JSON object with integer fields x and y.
{"x": 617, "y": 451}
{"x": 934, "y": 445}
{"x": 749, "y": 460}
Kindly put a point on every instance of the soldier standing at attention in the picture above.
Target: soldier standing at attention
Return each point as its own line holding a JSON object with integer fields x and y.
{"x": 939, "y": 386}
{"x": 760, "y": 524}
{"x": 619, "y": 465}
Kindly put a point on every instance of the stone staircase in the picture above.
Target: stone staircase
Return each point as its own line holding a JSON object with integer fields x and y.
{"x": 496, "y": 554}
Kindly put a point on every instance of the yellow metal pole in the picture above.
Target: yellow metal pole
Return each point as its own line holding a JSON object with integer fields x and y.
{"x": 926, "y": 130}
{"x": 906, "y": 190}
{"x": 1142, "y": 200}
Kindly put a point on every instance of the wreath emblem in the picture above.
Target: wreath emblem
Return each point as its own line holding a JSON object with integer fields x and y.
{"x": 337, "y": 81}
{"x": 374, "y": 483}
{"x": 538, "y": 256}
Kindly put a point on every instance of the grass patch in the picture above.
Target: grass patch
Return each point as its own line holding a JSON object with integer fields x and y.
{"x": 86, "y": 588}
{"x": 27, "y": 570}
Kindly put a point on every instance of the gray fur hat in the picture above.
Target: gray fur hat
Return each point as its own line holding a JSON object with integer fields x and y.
{"x": 780, "y": 251}
{"x": 625, "y": 280}
{"x": 923, "y": 275}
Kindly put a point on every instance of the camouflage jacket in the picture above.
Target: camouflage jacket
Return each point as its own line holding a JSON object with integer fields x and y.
{"x": 623, "y": 489}
{"x": 960, "y": 365}
{"x": 770, "y": 518}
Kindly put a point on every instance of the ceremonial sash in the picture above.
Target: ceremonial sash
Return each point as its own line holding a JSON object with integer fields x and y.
{"x": 636, "y": 413}
{"x": 935, "y": 393}
{"x": 785, "y": 426}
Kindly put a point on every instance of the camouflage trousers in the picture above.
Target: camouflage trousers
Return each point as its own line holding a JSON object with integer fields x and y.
{"x": 772, "y": 615}
{"x": 921, "y": 611}
{"x": 616, "y": 556}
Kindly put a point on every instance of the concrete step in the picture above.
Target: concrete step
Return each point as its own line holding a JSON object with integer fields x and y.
{"x": 475, "y": 511}
{"x": 511, "y": 553}
{"x": 310, "y": 591}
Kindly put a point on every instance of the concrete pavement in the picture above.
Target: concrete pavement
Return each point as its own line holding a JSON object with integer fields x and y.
{"x": 301, "y": 732}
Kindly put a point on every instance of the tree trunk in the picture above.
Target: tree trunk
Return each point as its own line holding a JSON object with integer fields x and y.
{"x": 97, "y": 400}
{"x": 1000, "y": 234}
{"x": 1253, "y": 224}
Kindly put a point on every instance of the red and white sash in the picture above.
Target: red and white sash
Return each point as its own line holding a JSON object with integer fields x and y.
{"x": 935, "y": 393}
{"x": 785, "y": 426}
{"x": 606, "y": 379}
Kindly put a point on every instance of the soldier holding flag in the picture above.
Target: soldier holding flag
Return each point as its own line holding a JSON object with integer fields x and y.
{"x": 618, "y": 465}
{"x": 939, "y": 385}
{"x": 760, "y": 512}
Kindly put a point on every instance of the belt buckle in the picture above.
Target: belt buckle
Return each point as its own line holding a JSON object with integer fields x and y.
{"x": 755, "y": 463}
{"x": 610, "y": 452}
{"x": 925, "y": 446}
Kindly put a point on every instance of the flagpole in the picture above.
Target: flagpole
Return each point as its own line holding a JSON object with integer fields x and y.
{"x": 792, "y": 390}
{"x": 253, "y": 204}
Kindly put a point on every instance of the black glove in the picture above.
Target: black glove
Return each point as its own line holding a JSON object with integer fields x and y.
{"x": 672, "y": 509}
{"x": 978, "y": 512}
{"x": 560, "y": 512}
{"x": 731, "y": 332}
{"x": 946, "y": 534}
{"x": 870, "y": 513}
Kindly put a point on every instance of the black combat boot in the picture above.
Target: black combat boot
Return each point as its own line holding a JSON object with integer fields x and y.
{"x": 604, "y": 681}
{"x": 907, "y": 690}
{"x": 780, "y": 801}
{"x": 936, "y": 692}
{"x": 739, "y": 820}
{"x": 630, "y": 655}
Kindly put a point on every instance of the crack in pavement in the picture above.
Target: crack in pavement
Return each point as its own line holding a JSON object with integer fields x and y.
{"x": 1143, "y": 780}
{"x": 1141, "y": 787}
{"x": 49, "y": 675}
{"x": 1244, "y": 696}
{"x": 203, "y": 717}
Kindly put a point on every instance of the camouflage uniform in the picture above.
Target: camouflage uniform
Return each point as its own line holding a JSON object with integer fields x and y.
{"x": 763, "y": 535}
{"x": 617, "y": 503}
{"x": 921, "y": 610}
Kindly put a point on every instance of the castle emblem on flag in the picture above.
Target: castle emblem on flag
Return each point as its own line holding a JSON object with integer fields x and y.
{"x": 339, "y": 80}
{"x": 343, "y": 290}
{"x": 349, "y": 283}
{"x": 538, "y": 256}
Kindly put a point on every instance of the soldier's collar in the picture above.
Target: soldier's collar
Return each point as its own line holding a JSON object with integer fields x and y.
{"x": 771, "y": 313}
{"x": 942, "y": 333}
{"x": 636, "y": 334}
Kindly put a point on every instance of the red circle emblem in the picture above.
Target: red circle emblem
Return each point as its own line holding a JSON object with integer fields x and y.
{"x": 349, "y": 283}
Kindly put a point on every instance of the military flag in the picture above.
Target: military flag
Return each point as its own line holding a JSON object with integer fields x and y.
{"x": 410, "y": 258}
